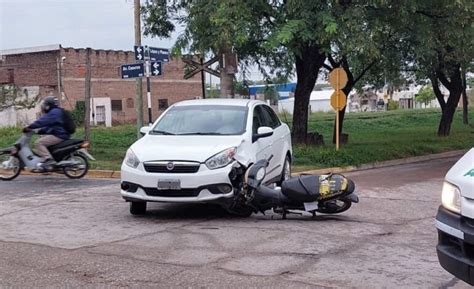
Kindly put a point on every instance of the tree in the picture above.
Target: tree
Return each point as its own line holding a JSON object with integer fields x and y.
{"x": 223, "y": 28}
{"x": 425, "y": 95}
{"x": 442, "y": 51}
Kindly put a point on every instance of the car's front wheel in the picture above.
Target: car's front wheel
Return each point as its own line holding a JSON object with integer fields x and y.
{"x": 137, "y": 208}
{"x": 286, "y": 172}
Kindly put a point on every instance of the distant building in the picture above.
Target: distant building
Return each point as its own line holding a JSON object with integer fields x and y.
{"x": 43, "y": 70}
{"x": 285, "y": 90}
{"x": 320, "y": 101}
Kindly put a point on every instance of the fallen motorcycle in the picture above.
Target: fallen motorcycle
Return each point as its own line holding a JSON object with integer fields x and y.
{"x": 328, "y": 194}
{"x": 71, "y": 158}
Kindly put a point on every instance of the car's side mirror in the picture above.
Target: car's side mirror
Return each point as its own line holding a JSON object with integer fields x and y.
{"x": 263, "y": 131}
{"x": 144, "y": 130}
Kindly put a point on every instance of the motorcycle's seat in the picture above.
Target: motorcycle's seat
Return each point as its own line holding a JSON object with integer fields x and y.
{"x": 303, "y": 188}
{"x": 66, "y": 143}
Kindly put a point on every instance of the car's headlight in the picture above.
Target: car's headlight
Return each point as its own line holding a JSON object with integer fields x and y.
{"x": 131, "y": 159}
{"x": 221, "y": 159}
{"x": 451, "y": 198}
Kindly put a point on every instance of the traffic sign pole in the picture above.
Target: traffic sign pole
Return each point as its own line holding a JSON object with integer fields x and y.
{"x": 148, "y": 91}
{"x": 338, "y": 80}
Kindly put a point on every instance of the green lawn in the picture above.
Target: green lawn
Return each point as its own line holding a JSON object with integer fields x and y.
{"x": 372, "y": 137}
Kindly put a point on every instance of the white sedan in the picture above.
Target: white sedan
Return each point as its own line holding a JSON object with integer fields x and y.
{"x": 198, "y": 150}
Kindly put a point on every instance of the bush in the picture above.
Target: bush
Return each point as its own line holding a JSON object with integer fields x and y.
{"x": 78, "y": 113}
{"x": 392, "y": 105}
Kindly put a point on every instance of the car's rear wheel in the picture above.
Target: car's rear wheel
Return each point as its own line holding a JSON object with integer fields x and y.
{"x": 137, "y": 208}
{"x": 286, "y": 172}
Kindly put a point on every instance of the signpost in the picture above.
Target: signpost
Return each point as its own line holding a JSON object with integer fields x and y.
{"x": 149, "y": 61}
{"x": 158, "y": 54}
{"x": 132, "y": 70}
{"x": 139, "y": 53}
{"x": 338, "y": 80}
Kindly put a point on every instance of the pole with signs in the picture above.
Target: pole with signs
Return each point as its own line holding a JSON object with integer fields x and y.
{"x": 338, "y": 80}
{"x": 146, "y": 66}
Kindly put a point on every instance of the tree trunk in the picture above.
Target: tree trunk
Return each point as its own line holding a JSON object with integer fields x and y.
{"x": 228, "y": 67}
{"x": 455, "y": 87}
{"x": 308, "y": 64}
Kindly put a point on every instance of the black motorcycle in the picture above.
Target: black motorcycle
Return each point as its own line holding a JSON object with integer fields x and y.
{"x": 328, "y": 194}
{"x": 71, "y": 158}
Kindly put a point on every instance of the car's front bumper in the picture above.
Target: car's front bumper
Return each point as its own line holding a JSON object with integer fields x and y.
{"x": 196, "y": 187}
{"x": 455, "y": 247}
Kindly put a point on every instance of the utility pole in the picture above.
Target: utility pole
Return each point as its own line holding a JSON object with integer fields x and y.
{"x": 203, "y": 81}
{"x": 87, "y": 97}
{"x": 139, "y": 90}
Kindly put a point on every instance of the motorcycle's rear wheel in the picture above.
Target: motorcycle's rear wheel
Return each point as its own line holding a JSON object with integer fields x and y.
{"x": 334, "y": 206}
{"x": 79, "y": 170}
{"x": 10, "y": 167}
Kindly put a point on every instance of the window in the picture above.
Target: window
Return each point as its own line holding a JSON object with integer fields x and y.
{"x": 129, "y": 102}
{"x": 271, "y": 117}
{"x": 117, "y": 105}
{"x": 258, "y": 119}
{"x": 162, "y": 104}
{"x": 203, "y": 120}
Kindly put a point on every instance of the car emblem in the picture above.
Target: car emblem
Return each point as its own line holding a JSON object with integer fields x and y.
{"x": 170, "y": 166}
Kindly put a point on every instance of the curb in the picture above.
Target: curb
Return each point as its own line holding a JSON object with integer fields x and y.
{"x": 383, "y": 164}
{"x": 109, "y": 174}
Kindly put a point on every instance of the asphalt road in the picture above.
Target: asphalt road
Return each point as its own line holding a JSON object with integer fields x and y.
{"x": 56, "y": 232}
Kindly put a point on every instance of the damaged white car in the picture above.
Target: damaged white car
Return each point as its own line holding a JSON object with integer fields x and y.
{"x": 198, "y": 151}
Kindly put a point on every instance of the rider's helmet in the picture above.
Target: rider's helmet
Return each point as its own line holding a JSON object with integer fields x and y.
{"x": 49, "y": 103}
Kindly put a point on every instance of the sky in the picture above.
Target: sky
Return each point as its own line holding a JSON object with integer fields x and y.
{"x": 99, "y": 24}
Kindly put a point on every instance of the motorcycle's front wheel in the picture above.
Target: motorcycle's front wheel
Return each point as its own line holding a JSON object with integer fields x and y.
{"x": 79, "y": 169}
{"x": 10, "y": 167}
{"x": 334, "y": 206}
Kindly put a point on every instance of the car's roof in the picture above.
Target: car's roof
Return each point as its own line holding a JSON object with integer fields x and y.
{"x": 219, "y": 101}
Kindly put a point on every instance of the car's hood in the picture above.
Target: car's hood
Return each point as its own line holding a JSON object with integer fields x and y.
{"x": 182, "y": 148}
{"x": 462, "y": 174}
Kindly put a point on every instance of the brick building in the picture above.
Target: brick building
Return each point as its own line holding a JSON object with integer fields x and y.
{"x": 50, "y": 69}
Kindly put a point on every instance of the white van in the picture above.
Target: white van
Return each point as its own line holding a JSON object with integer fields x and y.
{"x": 455, "y": 220}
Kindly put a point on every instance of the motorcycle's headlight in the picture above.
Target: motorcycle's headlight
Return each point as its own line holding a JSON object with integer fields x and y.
{"x": 451, "y": 198}
{"x": 221, "y": 159}
{"x": 131, "y": 159}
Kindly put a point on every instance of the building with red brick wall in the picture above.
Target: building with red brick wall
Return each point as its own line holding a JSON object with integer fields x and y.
{"x": 53, "y": 68}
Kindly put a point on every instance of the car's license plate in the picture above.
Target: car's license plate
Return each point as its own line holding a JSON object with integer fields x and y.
{"x": 169, "y": 184}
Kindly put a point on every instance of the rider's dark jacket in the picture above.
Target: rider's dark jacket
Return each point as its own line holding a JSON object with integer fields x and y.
{"x": 52, "y": 123}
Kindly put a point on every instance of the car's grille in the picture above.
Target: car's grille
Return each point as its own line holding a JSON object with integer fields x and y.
{"x": 175, "y": 168}
{"x": 172, "y": 193}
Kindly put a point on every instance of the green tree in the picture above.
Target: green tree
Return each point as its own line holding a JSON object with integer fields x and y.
{"x": 440, "y": 38}
{"x": 222, "y": 28}
{"x": 425, "y": 95}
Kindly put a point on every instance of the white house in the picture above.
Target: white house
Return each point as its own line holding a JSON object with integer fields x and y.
{"x": 320, "y": 101}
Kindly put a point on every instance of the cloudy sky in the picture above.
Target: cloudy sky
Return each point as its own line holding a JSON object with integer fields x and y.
{"x": 99, "y": 24}
{"x": 104, "y": 24}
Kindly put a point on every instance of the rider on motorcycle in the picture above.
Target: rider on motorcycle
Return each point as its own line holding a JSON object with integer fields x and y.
{"x": 51, "y": 126}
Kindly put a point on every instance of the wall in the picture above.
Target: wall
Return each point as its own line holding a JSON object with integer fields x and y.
{"x": 106, "y": 82}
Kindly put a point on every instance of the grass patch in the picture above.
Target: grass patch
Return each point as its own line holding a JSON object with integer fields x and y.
{"x": 373, "y": 137}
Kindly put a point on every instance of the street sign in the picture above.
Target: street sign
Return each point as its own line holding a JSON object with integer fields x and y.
{"x": 139, "y": 53}
{"x": 155, "y": 68}
{"x": 132, "y": 70}
{"x": 158, "y": 54}
{"x": 338, "y": 78}
{"x": 338, "y": 100}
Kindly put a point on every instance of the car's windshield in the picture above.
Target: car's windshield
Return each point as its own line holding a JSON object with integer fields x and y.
{"x": 202, "y": 120}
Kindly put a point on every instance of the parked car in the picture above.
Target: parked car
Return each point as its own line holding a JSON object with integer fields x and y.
{"x": 192, "y": 152}
{"x": 455, "y": 220}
